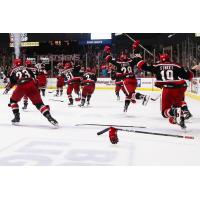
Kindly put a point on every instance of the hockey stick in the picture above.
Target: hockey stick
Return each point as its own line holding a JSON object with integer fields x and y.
{"x": 51, "y": 91}
{"x": 110, "y": 125}
{"x": 139, "y": 44}
{"x": 156, "y": 98}
{"x": 150, "y": 133}
{"x": 56, "y": 100}
{"x": 103, "y": 131}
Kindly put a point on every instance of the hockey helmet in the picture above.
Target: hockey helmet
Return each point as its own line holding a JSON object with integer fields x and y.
{"x": 123, "y": 57}
{"x": 68, "y": 65}
{"x": 17, "y": 62}
{"x": 164, "y": 57}
{"x": 28, "y": 63}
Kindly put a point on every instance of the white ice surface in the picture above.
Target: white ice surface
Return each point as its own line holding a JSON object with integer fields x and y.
{"x": 36, "y": 142}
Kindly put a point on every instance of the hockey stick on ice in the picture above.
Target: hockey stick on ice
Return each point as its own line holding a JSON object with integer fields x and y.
{"x": 150, "y": 133}
{"x": 139, "y": 44}
{"x": 51, "y": 91}
{"x": 110, "y": 125}
{"x": 156, "y": 98}
{"x": 56, "y": 100}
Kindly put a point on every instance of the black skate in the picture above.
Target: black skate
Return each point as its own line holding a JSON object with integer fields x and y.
{"x": 25, "y": 106}
{"x": 127, "y": 102}
{"x": 52, "y": 120}
{"x": 187, "y": 115}
{"x": 70, "y": 102}
{"x": 125, "y": 108}
{"x": 179, "y": 117}
{"x": 16, "y": 119}
{"x": 118, "y": 98}
{"x": 82, "y": 103}
{"x": 88, "y": 103}
{"x": 145, "y": 100}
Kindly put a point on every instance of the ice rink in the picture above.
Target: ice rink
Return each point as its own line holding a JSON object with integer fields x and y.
{"x": 36, "y": 142}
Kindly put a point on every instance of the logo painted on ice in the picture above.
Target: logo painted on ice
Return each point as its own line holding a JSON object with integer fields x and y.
{"x": 44, "y": 152}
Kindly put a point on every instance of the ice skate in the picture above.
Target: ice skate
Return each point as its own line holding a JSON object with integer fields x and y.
{"x": 82, "y": 103}
{"x": 70, "y": 102}
{"x": 179, "y": 117}
{"x": 52, "y": 120}
{"x": 16, "y": 119}
{"x": 145, "y": 100}
{"x": 25, "y": 106}
{"x": 187, "y": 115}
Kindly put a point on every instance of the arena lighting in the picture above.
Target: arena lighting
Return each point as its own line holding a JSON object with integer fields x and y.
{"x": 27, "y": 44}
{"x": 101, "y": 36}
{"x": 171, "y": 35}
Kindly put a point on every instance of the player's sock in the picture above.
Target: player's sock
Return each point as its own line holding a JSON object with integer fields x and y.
{"x": 43, "y": 92}
{"x": 117, "y": 94}
{"x": 88, "y": 99}
{"x": 61, "y": 92}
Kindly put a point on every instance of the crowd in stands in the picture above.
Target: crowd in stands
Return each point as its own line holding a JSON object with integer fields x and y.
{"x": 91, "y": 56}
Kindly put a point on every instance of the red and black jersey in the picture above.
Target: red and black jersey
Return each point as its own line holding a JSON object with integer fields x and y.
{"x": 117, "y": 76}
{"x": 169, "y": 74}
{"x": 20, "y": 75}
{"x": 34, "y": 70}
{"x": 89, "y": 78}
{"x": 127, "y": 68}
{"x": 73, "y": 74}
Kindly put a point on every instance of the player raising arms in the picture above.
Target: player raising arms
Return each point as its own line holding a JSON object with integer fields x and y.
{"x": 88, "y": 85}
{"x": 24, "y": 79}
{"x": 118, "y": 77}
{"x": 126, "y": 66}
{"x": 170, "y": 78}
{"x": 72, "y": 74}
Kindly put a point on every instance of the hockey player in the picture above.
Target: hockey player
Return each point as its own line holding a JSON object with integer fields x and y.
{"x": 23, "y": 78}
{"x": 31, "y": 67}
{"x": 88, "y": 85}
{"x": 126, "y": 66}
{"x": 42, "y": 78}
{"x": 118, "y": 77}
{"x": 72, "y": 74}
{"x": 60, "y": 82}
{"x": 170, "y": 78}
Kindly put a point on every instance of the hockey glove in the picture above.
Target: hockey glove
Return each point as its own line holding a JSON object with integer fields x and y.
{"x": 135, "y": 44}
{"x": 113, "y": 135}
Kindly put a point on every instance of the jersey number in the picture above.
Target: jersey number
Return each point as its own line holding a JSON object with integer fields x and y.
{"x": 127, "y": 69}
{"x": 167, "y": 75}
{"x": 87, "y": 77}
{"x": 23, "y": 74}
{"x": 69, "y": 75}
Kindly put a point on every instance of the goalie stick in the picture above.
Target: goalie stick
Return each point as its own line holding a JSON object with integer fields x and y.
{"x": 110, "y": 125}
{"x": 150, "y": 133}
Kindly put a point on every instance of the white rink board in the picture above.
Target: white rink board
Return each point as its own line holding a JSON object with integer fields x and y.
{"x": 36, "y": 142}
